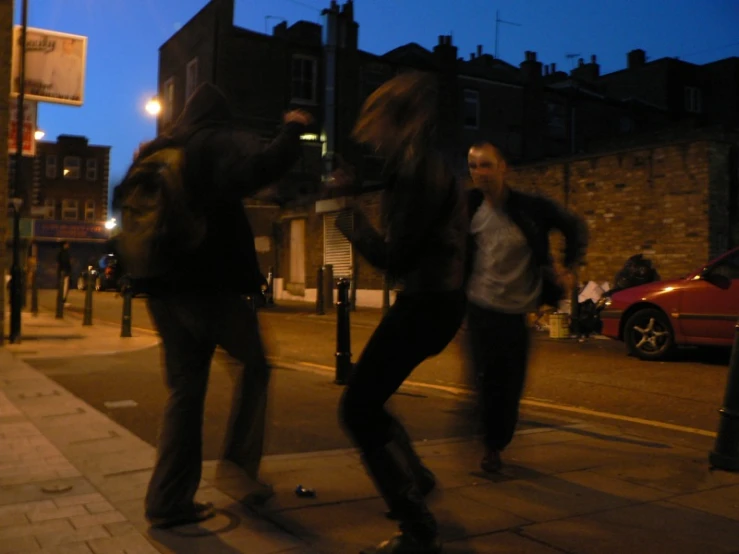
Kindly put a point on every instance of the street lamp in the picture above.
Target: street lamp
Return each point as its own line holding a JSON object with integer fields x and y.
{"x": 110, "y": 224}
{"x": 39, "y": 134}
{"x": 154, "y": 107}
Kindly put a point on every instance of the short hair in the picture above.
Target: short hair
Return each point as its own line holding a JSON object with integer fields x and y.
{"x": 485, "y": 144}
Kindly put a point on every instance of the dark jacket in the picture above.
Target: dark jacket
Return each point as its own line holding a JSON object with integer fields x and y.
{"x": 64, "y": 261}
{"x": 422, "y": 246}
{"x": 223, "y": 165}
{"x": 537, "y": 216}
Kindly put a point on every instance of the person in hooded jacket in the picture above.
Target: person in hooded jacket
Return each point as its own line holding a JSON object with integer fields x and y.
{"x": 202, "y": 305}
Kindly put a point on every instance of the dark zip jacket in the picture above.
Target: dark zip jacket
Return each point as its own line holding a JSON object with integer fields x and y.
{"x": 537, "y": 216}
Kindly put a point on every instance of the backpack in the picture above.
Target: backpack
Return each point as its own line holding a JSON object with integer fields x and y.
{"x": 158, "y": 223}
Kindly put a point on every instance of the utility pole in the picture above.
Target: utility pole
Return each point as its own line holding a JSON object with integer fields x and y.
{"x": 16, "y": 292}
{"x": 498, "y": 21}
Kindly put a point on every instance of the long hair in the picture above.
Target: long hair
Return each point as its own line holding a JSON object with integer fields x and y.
{"x": 404, "y": 108}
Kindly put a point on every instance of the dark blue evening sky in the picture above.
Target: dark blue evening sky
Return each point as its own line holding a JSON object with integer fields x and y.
{"x": 124, "y": 37}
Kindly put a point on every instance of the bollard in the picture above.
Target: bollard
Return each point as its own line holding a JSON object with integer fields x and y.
{"x": 34, "y": 292}
{"x": 87, "y": 317}
{"x": 269, "y": 294}
{"x": 127, "y": 293}
{"x": 60, "y": 297}
{"x": 385, "y": 294}
{"x": 328, "y": 286}
{"x": 725, "y": 453}
{"x": 343, "y": 334}
{"x": 320, "y": 303}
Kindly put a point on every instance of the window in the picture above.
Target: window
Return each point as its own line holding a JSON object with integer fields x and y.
{"x": 168, "y": 107}
{"x": 304, "y": 80}
{"x": 91, "y": 169}
{"x": 51, "y": 166}
{"x": 191, "y": 78}
{"x": 49, "y": 208}
{"x": 471, "y": 109}
{"x": 693, "y": 100}
{"x": 71, "y": 167}
{"x": 728, "y": 267}
{"x": 90, "y": 210}
{"x": 70, "y": 209}
{"x": 337, "y": 250}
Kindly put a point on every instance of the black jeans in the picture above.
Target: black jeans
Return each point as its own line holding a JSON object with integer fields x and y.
{"x": 191, "y": 328}
{"x": 499, "y": 345}
{"x": 416, "y": 326}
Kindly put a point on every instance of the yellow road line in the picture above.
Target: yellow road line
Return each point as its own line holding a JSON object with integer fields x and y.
{"x": 558, "y": 407}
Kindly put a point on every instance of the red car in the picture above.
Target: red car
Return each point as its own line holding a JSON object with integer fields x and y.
{"x": 699, "y": 309}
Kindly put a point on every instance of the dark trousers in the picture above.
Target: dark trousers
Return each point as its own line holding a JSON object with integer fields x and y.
{"x": 415, "y": 327}
{"x": 191, "y": 328}
{"x": 499, "y": 346}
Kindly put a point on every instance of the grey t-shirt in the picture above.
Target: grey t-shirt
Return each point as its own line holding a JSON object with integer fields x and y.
{"x": 503, "y": 276}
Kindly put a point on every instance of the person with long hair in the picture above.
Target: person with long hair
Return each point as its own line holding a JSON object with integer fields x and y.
{"x": 421, "y": 249}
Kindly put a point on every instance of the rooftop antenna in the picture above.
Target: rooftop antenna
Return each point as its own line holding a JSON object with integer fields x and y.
{"x": 498, "y": 21}
{"x": 572, "y": 57}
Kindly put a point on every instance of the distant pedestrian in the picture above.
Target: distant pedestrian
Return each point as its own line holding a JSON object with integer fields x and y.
{"x": 198, "y": 282}
{"x": 511, "y": 275}
{"x": 421, "y": 248}
{"x": 64, "y": 269}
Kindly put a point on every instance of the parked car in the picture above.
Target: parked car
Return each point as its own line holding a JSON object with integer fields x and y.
{"x": 107, "y": 274}
{"x": 655, "y": 318}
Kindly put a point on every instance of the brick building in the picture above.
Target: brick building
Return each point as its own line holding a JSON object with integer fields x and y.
{"x": 534, "y": 112}
{"x": 66, "y": 180}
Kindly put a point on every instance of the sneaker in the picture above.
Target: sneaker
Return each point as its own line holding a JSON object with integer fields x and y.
{"x": 491, "y": 462}
{"x": 200, "y": 511}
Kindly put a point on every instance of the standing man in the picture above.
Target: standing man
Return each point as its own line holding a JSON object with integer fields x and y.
{"x": 64, "y": 268}
{"x": 197, "y": 309}
{"x": 511, "y": 275}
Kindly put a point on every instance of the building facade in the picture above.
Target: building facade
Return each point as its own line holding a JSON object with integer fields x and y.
{"x": 535, "y": 113}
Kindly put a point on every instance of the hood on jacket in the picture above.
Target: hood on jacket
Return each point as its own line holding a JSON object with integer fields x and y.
{"x": 207, "y": 104}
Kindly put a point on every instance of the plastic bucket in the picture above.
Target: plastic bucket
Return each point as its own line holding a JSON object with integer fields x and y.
{"x": 559, "y": 325}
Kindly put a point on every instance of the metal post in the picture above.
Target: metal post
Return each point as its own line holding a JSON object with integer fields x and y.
{"x": 320, "y": 303}
{"x": 269, "y": 294}
{"x": 16, "y": 299}
{"x": 343, "y": 334}
{"x": 725, "y": 453}
{"x": 385, "y": 294}
{"x": 328, "y": 285}
{"x": 60, "y": 296}
{"x": 34, "y": 291}
{"x": 89, "y": 287}
{"x": 575, "y": 305}
{"x": 127, "y": 294}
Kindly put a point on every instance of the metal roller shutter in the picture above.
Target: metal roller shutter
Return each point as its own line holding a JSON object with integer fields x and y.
{"x": 337, "y": 251}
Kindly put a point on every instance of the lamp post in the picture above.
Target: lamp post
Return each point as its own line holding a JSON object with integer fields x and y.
{"x": 16, "y": 300}
{"x": 153, "y": 106}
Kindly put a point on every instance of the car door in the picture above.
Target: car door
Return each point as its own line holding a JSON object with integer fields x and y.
{"x": 709, "y": 304}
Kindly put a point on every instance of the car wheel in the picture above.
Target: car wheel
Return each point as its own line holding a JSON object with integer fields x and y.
{"x": 648, "y": 335}
{"x": 98, "y": 284}
{"x": 80, "y": 283}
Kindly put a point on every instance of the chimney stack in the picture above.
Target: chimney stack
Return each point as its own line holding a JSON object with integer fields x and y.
{"x": 636, "y": 58}
{"x": 479, "y": 50}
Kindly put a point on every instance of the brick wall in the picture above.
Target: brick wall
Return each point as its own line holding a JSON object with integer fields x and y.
{"x": 6, "y": 24}
{"x": 668, "y": 202}
{"x": 672, "y": 203}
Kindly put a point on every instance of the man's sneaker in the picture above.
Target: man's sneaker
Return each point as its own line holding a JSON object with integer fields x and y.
{"x": 200, "y": 511}
{"x": 491, "y": 462}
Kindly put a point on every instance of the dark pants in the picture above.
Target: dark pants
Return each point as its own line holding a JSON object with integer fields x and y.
{"x": 415, "y": 327}
{"x": 499, "y": 345}
{"x": 191, "y": 328}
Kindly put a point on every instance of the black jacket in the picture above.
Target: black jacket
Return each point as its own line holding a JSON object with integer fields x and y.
{"x": 422, "y": 246}
{"x": 537, "y": 216}
{"x": 223, "y": 165}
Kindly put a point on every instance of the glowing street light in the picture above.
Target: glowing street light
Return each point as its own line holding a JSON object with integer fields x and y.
{"x": 39, "y": 134}
{"x": 110, "y": 224}
{"x": 154, "y": 107}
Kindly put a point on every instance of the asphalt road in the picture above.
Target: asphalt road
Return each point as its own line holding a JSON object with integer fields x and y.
{"x": 572, "y": 377}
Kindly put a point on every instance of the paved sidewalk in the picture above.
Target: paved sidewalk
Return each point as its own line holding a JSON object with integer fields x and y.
{"x": 72, "y": 481}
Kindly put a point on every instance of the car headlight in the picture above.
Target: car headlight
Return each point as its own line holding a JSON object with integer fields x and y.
{"x": 603, "y": 302}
